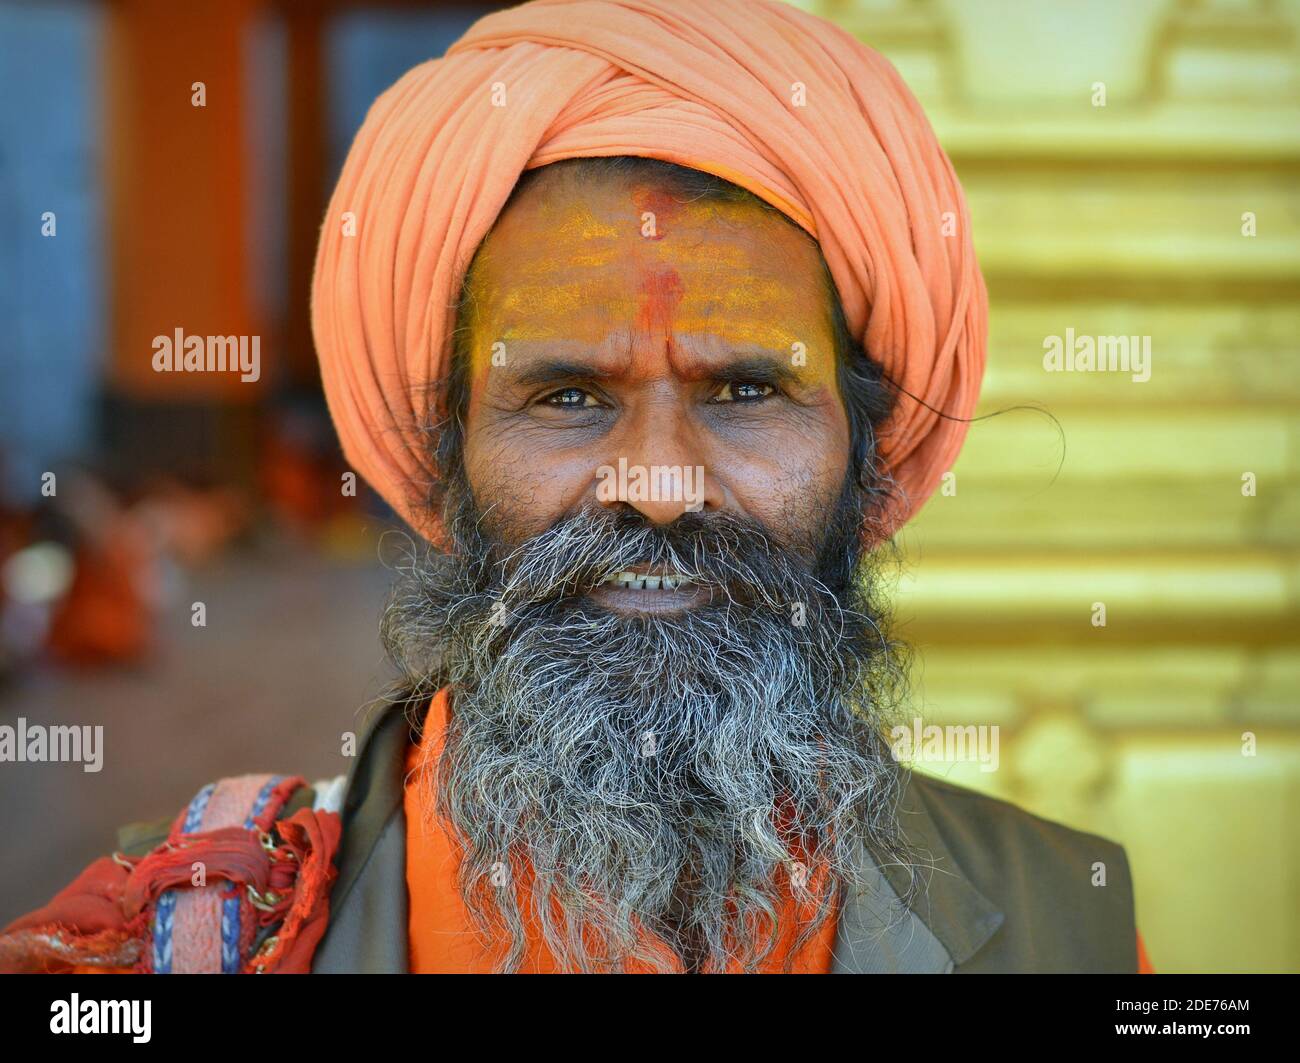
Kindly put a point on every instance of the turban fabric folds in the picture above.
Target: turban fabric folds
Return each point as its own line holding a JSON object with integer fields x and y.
{"x": 761, "y": 94}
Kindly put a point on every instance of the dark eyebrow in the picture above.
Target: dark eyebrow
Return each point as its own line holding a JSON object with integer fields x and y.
{"x": 751, "y": 368}
{"x": 758, "y": 369}
{"x": 556, "y": 372}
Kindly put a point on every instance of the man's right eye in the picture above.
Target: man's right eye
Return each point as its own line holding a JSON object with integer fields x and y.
{"x": 570, "y": 398}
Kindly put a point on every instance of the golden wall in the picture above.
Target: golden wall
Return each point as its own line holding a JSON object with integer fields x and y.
{"x": 1131, "y": 168}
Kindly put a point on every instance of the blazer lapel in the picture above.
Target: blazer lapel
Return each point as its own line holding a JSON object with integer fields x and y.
{"x": 367, "y": 931}
{"x": 949, "y": 920}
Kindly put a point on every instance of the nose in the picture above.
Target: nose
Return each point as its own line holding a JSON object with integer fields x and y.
{"x": 656, "y": 463}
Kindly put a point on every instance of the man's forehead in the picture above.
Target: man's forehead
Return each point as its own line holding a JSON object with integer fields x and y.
{"x": 627, "y": 296}
{"x": 566, "y": 258}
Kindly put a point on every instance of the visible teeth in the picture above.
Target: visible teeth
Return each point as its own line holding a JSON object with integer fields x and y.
{"x": 636, "y": 582}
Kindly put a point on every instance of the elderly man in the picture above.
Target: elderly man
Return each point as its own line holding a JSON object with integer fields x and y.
{"x": 657, "y": 319}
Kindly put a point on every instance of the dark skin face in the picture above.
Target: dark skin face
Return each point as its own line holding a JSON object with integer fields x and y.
{"x": 671, "y": 347}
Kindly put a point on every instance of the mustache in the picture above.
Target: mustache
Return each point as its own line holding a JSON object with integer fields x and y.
{"x": 733, "y": 556}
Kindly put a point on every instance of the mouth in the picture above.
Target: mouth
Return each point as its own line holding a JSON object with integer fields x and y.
{"x": 648, "y": 589}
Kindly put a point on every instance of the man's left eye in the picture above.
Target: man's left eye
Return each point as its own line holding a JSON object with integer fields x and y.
{"x": 743, "y": 391}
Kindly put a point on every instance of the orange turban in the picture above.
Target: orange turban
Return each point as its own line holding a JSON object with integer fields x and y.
{"x": 761, "y": 94}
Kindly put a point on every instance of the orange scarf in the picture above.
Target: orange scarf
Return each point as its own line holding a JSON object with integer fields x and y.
{"x": 442, "y": 939}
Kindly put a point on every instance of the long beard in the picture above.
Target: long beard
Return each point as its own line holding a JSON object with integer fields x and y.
{"x": 678, "y": 774}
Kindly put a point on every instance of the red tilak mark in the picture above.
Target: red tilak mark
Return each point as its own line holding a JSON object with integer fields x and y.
{"x": 659, "y": 203}
{"x": 661, "y": 291}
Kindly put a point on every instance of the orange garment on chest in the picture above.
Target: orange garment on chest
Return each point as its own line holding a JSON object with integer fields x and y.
{"x": 442, "y": 940}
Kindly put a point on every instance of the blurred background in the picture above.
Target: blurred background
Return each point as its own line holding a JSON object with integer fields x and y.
{"x": 1131, "y": 167}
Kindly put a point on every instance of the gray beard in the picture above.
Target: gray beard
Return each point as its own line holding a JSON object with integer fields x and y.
{"x": 628, "y": 769}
